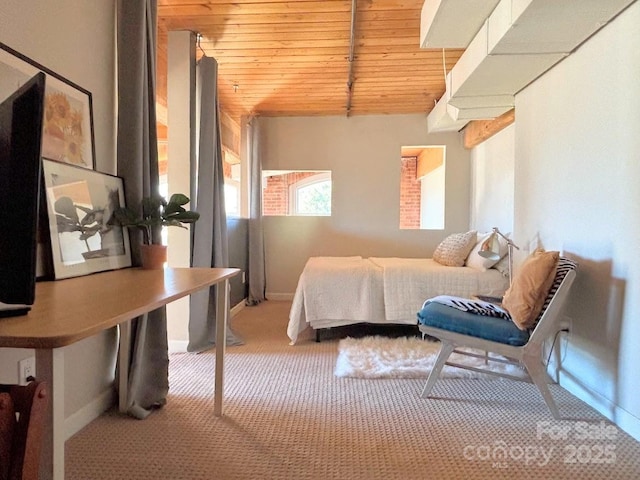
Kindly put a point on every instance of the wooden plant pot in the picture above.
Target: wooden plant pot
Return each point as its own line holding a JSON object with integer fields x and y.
{"x": 153, "y": 256}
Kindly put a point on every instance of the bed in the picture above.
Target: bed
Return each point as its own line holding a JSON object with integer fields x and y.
{"x": 337, "y": 291}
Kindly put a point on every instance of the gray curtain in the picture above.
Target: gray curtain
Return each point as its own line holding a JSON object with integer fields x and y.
{"x": 257, "y": 282}
{"x": 210, "y": 243}
{"x": 138, "y": 165}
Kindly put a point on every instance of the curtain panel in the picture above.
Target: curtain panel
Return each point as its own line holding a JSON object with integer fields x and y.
{"x": 209, "y": 240}
{"x": 257, "y": 282}
{"x": 137, "y": 163}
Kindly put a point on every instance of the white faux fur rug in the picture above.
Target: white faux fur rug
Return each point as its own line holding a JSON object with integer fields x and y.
{"x": 403, "y": 357}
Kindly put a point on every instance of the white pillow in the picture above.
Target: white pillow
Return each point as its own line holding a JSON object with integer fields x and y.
{"x": 474, "y": 260}
{"x": 454, "y": 249}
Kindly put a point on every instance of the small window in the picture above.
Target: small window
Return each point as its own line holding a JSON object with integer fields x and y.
{"x": 232, "y": 197}
{"x": 311, "y": 195}
{"x": 299, "y": 192}
{"x": 422, "y": 192}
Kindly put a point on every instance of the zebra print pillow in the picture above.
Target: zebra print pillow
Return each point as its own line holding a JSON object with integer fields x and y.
{"x": 477, "y": 307}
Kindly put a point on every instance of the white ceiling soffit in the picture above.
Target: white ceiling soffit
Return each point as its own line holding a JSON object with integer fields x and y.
{"x": 445, "y": 117}
{"x": 442, "y": 118}
{"x": 452, "y": 23}
{"x": 521, "y": 40}
{"x": 547, "y": 26}
{"x": 478, "y": 113}
{"x": 478, "y": 74}
{"x": 518, "y": 41}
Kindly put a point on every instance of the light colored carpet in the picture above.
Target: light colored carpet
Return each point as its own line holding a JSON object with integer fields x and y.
{"x": 405, "y": 357}
{"x": 288, "y": 417}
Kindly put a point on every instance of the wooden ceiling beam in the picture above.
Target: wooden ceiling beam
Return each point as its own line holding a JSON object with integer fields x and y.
{"x": 478, "y": 131}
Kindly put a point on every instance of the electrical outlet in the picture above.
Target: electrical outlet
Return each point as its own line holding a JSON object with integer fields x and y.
{"x": 566, "y": 323}
{"x": 26, "y": 369}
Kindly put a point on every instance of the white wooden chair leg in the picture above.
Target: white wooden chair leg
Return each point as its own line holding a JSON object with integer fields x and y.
{"x": 538, "y": 374}
{"x": 445, "y": 350}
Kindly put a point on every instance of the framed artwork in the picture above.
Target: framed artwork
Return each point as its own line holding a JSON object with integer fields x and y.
{"x": 68, "y": 111}
{"x": 80, "y": 203}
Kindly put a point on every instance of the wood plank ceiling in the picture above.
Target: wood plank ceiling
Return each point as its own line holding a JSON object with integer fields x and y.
{"x": 279, "y": 58}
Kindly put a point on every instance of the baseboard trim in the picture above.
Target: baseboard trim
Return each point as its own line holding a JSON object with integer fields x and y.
{"x": 180, "y": 346}
{"x": 238, "y": 308}
{"x": 618, "y": 415}
{"x": 80, "y": 419}
{"x": 177, "y": 346}
{"x": 279, "y": 296}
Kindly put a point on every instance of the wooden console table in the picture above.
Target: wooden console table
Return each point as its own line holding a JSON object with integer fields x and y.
{"x": 64, "y": 313}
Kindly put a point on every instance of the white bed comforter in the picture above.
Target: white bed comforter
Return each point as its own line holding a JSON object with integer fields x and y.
{"x": 408, "y": 282}
{"x": 335, "y": 291}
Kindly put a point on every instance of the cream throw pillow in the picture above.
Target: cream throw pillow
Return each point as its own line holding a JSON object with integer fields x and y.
{"x": 454, "y": 249}
{"x": 525, "y": 298}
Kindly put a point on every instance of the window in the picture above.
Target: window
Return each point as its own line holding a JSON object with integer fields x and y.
{"x": 422, "y": 192}
{"x": 232, "y": 188}
{"x": 232, "y": 198}
{"x": 311, "y": 195}
{"x": 296, "y": 192}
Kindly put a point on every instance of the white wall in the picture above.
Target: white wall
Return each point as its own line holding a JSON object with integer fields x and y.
{"x": 432, "y": 198}
{"x": 363, "y": 153}
{"x": 576, "y": 190}
{"x": 74, "y": 38}
{"x": 492, "y": 182}
{"x": 180, "y": 81}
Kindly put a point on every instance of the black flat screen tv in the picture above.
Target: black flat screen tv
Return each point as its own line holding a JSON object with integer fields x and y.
{"x": 21, "y": 117}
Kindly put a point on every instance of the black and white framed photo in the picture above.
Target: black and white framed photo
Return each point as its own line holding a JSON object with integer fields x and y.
{"x": 80, "y": 203}
{"x": 67, "y": 134}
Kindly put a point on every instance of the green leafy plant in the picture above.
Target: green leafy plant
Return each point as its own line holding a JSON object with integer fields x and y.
{"x": 156, "y": 212}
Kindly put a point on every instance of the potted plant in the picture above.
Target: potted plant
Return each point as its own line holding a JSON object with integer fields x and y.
{"x": 156, "y": 212}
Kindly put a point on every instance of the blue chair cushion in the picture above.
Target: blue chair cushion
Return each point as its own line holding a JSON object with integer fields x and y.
{"x": 490, "y": 328}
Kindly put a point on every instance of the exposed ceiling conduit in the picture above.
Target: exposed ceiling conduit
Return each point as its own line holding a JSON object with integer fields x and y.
{"x": 352, "y": 42}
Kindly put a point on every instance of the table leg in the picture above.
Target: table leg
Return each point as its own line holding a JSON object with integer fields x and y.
{"x": 222, "y": 314}
{"x": 50, "y": 369}
{"x": 124, "y": 342}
